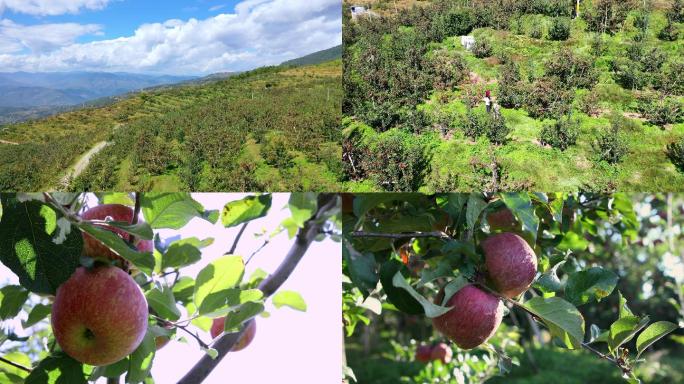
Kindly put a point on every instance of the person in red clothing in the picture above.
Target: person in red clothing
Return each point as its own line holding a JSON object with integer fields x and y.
{"x": 488, "y": 100}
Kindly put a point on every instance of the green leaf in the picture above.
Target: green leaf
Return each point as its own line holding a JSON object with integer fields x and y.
{"x": 653, "y": 333}
{"x": 113, "y": 370}
{"x": 397, "y": 296}
{"x": 431, "y": 310}
{"x": 140, "y": 361}
{"x": 573, "y": 241}
{"x": 245, "y": 312}
{"x": 170, "y": 210}
{"x": 17, "y": 375}
{"x": 362, "y": 268}
{"x": 624, "y": 309}
{"x": 116, "y": 198}
{"x": 184, "y": 252}
{"x": 521, "y": 206}
{"x": 184, "y": 288}
{"x": 241, "y": 211}
{"x": 562, "y": 318}
{"x": 214, "y": 281}
{"x": 234, "y": 298}
{"x": 141, "y": 230}
{"x": 163, "y": 302}
{"x": 142, "y": 260}
{"x": 302, "y": 206}
{"x": 291, "y": 299}
{"x": 38, "y": 313}
{"x": 12, "y": 298}
{"x": 256, "y": 278}
{"x": 476, "y": 205}
{"x": 453, "y": 287}
{"x": 624, "y": 329}
{"x": 592, "y": 284}
{"x": 57, "y": 369}
{"x": 26, "y": 246}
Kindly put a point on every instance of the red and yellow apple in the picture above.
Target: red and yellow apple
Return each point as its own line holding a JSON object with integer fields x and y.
{"x": 99, "y": 315}
{"x": 219, "y": 324}
{"x": 441, "y": 352}
{"x": 424, "y": 353}
{"x": 511, "y": 263}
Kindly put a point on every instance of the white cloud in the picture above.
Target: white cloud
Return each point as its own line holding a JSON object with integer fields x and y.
{"x": 41, "y": 38}
{"x": 260, "y": 32}
{"x": 50, "y": 7}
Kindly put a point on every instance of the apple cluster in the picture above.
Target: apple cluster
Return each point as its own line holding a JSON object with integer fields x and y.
{"x": 476, "y": 314}
{"x": 99, "y": 315}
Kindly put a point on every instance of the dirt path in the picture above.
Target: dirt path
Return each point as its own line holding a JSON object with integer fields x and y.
{"x": 81, "y": 164}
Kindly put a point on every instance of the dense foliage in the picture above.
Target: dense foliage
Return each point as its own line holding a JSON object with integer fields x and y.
{"x": 608, "y": 266}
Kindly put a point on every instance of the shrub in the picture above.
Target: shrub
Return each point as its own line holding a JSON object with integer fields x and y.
{"x": 589, "y": 103}
{"x": 672, "y": 79}
{"x": 560, "y": 29}
{"x": 607, "y": 16}
{"x": 661, "y": 110}
{"x": 482, "y": 48}
{"x": 548, "y": 98}
{"x": 478, "y": 123}
{"x": 675, "y": 152}
{"x": 598, "y": 46}
{"x": 670, "y": 32}
{"x": 458, "y": 22}
{"x": 447, "y": 69}
{"x": 560, "y": 134}
{"x": 572, "y": 70}
{"x": 512, "y": 91}
{"x": 609, "y": 145}
{"x": 498, "y": 130}
{"x": 627, "y": 74}
{"x": 536, "y": 31}
{"x": 676, "y": 13}
{"x": 641, "y": 21}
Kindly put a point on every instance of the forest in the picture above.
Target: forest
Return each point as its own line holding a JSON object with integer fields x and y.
{"x": 584, "y": 97}
{"x": 274, "y": 129}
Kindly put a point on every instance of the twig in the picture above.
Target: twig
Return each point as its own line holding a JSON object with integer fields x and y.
{"x": 264, "y": 244}
{"x": 438, "y": 234}
{"x": 176, "y": 271}
{"x": 237, "y": 239}
{"x": 305, "y": 236}
{"x": 15, "y": 365}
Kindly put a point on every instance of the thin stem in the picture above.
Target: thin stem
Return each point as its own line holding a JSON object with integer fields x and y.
{"x": 264, "y": 244}
{"x": 175, "y": 271}
{"x": 237, "y": 239}
{"x": 134, "y": 219}
{"x": 438, "y": 234}
{"x": 15, "y": 365}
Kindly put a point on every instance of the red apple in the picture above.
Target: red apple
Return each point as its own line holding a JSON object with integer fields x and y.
{"x": 511, "y": 263}
{"x": 219, "y": 324}
{"x": 424, "y": 353}
{"x": 441, "y": 352}
{"x": 99, "y": 315}
{"x": 116, "y": 212}
{"x": 474, "y": 318}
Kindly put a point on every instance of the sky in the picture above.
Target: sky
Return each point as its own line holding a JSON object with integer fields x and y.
{"x": 178, "y": 37}
{"x": 289, "y": 346}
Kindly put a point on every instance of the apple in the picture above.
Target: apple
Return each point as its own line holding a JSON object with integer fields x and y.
{"x": 474, "y": 318}
{"x": 116, "y": 212}
{"x": 219, "y": 324}
{"x": 511, "y": 263}
{"x": 441, "y": 352}
{"x": 424, "y": 353}
{"x": 99, "y": 315}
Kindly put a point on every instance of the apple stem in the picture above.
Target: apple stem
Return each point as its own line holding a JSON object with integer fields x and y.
{"x": 15, "y": 365}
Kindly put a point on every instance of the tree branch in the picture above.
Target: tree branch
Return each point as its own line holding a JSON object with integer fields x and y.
{"x": 134, "y": 219}
{"x": 237, "y": 239}
{"x": 15, "y": 365}
{"x": 305, "y": 236}
{"x": 438, "y": 234}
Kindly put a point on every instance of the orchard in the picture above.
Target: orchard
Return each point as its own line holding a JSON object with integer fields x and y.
{"x": 513, "y": 288}
{"x": 108, "y": 281}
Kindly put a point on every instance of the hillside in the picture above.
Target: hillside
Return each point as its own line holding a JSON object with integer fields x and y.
{"x": 586, "y": 103}
{"x": 333, "y": 53}
{"x": 268, "y": 129}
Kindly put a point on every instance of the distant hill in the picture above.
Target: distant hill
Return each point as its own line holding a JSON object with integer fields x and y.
{"x": 30, "y": 90}
{"x": 317, "y": 57}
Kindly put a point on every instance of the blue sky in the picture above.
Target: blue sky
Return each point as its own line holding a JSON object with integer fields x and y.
{"x": 173, "y": 36}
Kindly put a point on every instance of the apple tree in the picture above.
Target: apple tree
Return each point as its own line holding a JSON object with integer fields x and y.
{"x": 458, "y": 280}
{"x": 101, "y": 291}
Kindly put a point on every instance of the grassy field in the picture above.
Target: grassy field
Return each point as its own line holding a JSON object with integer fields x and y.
{"x": 243, "y": 132}
{"x": 458, "y": 162}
